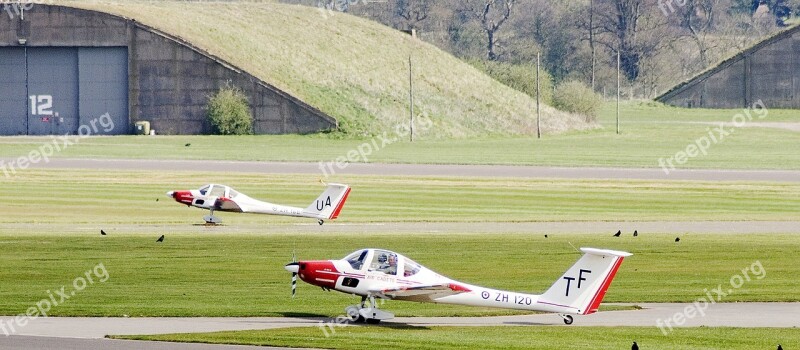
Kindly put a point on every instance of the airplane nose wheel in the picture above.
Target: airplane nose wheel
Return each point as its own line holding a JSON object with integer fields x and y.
{"x": 567, "y": 319}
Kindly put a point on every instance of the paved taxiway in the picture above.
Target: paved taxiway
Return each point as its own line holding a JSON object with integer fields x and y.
{"x": 87, "y": 333}
{"x": 421, "y": 170}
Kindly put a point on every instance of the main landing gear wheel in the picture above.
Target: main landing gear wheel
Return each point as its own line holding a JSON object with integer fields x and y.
{"x": 212, "y": 220}
{"x": 567, "y": 319}
{"x": 369, "y": 314}
{"x": 353, "y": 314}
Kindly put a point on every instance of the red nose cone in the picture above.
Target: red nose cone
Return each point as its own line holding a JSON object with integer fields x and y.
{"x": 319, "y": 273}
{"x": 184, "y": 197}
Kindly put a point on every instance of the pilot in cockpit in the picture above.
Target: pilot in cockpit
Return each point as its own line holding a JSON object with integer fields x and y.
{"x": 389, "y": 265}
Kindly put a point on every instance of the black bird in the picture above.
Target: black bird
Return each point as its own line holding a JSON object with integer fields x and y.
{"x": 780, "y": 347}
{"x": 545, "y": 236}
{"x": 618, "y": 233}
{"x": 160, "y": 239}
{"x": 156, "y": 199}
{"x": 677, "y": 239}
{"x": 102, "y": 232}
{"x": 188, "y": 144}
{"x": 635, "y": 233}
{"x": 634, "y": 346}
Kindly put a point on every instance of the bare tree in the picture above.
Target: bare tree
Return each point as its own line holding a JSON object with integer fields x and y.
{"x": 588, "y": 24}
{"x": 632, "y": 28}
{"x": 492, "y": 14}
{"x": 591, "y": 39}
{"x": 412, "y": 12}
{"x": 698, "y": 18}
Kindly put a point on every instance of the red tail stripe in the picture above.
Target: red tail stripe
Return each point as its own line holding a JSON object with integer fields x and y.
{"x": 598, "y": 297}
{"x": 340, "y": 206}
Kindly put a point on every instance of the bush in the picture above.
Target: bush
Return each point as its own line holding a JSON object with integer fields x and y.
{"x": 576, "y": 97}
{"x": 229, "y": 112}
{"x": 520, "y": 77}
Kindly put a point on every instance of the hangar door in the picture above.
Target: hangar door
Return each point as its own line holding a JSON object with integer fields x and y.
{"x": 57, "y": 90}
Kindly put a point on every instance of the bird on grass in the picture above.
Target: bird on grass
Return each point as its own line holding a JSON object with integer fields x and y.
{"x": 160, "y": 239}
{"x": 677, "y": 239}
{"x": 188, "y": 144}
{"x": 780, "y": 347}
{"x": 545, "y": 236}
{"x": 635, "y": 346}
{"x": 102, "y": 232}
{"x": 618, "y": 233}
{"x": 635, "y": 233}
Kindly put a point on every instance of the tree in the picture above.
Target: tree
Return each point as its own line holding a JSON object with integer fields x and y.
{"x": 632, "y": 28}
{"x": 698, "y": 18}
{"x": 412, "y": 12}
{"x": 591, "y": 39}
{"x": 492, "y": 14}
{"x": 780, "y": 9}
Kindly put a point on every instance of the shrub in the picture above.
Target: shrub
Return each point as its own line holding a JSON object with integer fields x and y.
{"x": 576, "y": 97}
{"x": 520, "y": 77}
{"x": 229, "y": 112}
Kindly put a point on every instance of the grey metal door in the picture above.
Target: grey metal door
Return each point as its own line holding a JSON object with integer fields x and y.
{"x": 13, "y": 97}
{"x": 52, "y": 91}
{"x": 103, "y": 76}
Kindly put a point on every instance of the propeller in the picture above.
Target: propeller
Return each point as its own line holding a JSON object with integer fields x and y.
{"x": 293, "y": 267}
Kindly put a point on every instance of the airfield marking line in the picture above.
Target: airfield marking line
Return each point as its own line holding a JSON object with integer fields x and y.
{"x": 512, "y": 171}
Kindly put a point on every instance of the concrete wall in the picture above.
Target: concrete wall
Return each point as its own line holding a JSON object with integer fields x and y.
{"x": 770, "y": 71}
{"x": 169, "y": 80}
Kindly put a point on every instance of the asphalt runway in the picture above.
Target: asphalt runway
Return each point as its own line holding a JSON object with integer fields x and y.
{"x": 87, "y": 333}
{"x": 420, "y": 170}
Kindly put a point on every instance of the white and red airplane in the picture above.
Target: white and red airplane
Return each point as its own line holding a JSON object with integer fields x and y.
{"x": 383, "y": 274}
{"x": 223, "y": 198}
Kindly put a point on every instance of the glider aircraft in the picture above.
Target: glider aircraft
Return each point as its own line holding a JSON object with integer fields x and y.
{"x": 223, "y": 198}
{"x": 383, "y": 274}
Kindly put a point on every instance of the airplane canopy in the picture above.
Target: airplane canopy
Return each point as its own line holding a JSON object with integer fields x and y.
{"x": 385, "y": 261}
{"x": 215, "y": 190}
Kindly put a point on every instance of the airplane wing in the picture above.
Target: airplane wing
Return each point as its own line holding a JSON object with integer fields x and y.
{"x": 227, "y": 204}
{"x": 421, "y": 293}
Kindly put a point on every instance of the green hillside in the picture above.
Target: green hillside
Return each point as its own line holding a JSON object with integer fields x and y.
{"x": 350, "y": 68}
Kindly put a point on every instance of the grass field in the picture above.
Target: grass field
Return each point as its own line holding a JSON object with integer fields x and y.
{"x": 51, "y": 230}
{"x": 118, "y": 197}
{"x": 208, "y": 274}
{"x": 557, "y": 338}
{"x": 649, "y": 132}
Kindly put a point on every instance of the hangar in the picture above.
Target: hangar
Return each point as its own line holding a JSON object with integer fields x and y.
{"x": 768, "y": 71}
{"x": 61, "y": 67}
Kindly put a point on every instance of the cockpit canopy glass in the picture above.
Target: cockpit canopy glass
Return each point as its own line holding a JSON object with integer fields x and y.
{"x": 356, "y": 260}
{"x": 217, "y": 191}
{"x": 410, "y": 268}
{"x": 204, "y": 189}
{"x": 384, "y": 261}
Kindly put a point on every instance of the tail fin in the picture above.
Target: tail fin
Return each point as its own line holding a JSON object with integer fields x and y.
{"x": 581, "y": 289}
{"x": 329, "y": 204}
